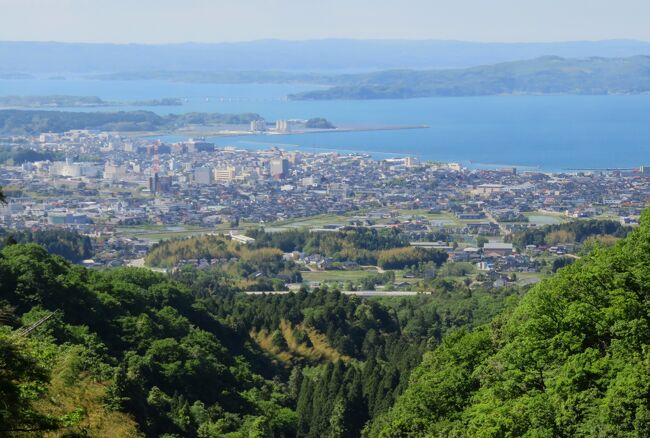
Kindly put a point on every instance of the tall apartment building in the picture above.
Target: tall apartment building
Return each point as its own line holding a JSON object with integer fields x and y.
{"x": 279, "y": 168}
{"x": 203, "y": 175}
{"x": 258, "y": 126}
{"x": 225, "y": 174}
{"x": 282, "y": 126}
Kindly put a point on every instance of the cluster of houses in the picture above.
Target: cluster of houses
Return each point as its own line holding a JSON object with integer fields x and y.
{"x": 133, "y": 181}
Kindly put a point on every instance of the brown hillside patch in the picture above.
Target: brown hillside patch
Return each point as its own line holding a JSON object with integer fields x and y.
{"x": 84, "y": 393}
{"x": 320, "y": 350}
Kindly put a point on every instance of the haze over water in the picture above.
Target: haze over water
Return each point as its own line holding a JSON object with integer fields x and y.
{"x": 549, "y": 132}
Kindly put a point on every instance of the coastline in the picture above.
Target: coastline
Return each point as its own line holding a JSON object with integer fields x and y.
{"x": 197, "y": 132}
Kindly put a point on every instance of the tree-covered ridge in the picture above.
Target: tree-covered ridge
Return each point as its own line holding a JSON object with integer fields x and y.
{"x": 387, "y": 248}
{"x": 361, "y": 245}
{"x": 15, "y": 156}
{"x": 131, "y": 350}
{"x": 330, "y": 243}
{"x": 261, "y": 266}
{"x": 319, "y": 123}
{"x": 572, "y": 359}
{"x": 66, "y": 101}
{"x": 378, "y": 344}
{"x": 575, "y": 231}
{"x": 161, "y": 357}
{"x": 69, "y": 244}
{"x": 227, "y": 264}
{"x": 51, "y": 101}
{"x": 545, "y": 75}
{"x": 31, "y": 122}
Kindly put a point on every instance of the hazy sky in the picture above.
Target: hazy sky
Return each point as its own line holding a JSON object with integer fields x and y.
{"x": 163, "y": 21}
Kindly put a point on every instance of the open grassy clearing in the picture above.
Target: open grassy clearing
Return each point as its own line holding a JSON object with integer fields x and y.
{"x": 172, "y": 235}
{"x": 529, "y": 277}
{"x": 162, "y": 232}
{"x": 310, "y": 222}
{"x": 543, "y": 218}
{"x": 322, "y": 276}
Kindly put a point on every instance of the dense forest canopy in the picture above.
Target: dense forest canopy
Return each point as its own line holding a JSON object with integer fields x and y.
{"x": 179, "y": 361}
{"x": 362, "y": 245}
{"x": 387, "y": 248}
{"x": 67, "y": 243}
{"x": 161, "y": 356}
{"x": 572, "y": 359}
{"x": 575, "y": 231}
{"x": 19, "y": 155}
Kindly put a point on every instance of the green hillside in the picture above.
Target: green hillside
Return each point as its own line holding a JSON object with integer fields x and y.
{"x": 129, "y": 352}
{"x": 31, "y": 122}
{"x": 546, "y": 75}
{"x": 572, "y": 359}
{"x": 155, "y": 352}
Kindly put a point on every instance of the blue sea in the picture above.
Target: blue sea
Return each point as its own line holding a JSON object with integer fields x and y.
{"x": 544, "y": 132}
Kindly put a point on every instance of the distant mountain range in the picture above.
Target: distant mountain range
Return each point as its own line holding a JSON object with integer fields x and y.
{"x": 61, "y": 101}
{"x": 355, "y": 69}
{"x": 545, "y": 75}
{"x": 333, "y": 55}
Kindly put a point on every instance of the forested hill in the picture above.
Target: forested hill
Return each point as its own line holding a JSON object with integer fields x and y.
{"x": 69, "y": 244}
{"x": 126, "y": 351}
{"x": 30, "y": 122}
{"x": 545, "y": 75}
{"x": 129, "y": 352}
{"x": 572, "y": 359}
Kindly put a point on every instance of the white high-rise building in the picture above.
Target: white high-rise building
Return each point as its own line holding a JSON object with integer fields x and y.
{"x": 282, "y": 126}
{"x": 69, "y": 169}
{"x": 114, "y": 172}
{"x": 258, "y": 126}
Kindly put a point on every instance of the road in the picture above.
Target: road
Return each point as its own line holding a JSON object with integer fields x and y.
{"x": 502, "y": 227}
{"x": 360, "y": 293}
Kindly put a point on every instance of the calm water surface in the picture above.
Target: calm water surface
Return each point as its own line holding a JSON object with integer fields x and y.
{"x": 546, "y": 132}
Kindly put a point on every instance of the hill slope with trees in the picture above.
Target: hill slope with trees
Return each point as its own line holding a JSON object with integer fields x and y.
{"x": 32, "y": 122}
{"x": 138, "y": 352}
{"x": 130, "y": 352}
{"x": 545, "y": 75}
{"x": 572, "y": 359}
{"x": 154, "y": 351}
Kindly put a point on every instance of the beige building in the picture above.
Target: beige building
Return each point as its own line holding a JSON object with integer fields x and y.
{"x": 487, "y": 189}
{"x": 225, "y": 174}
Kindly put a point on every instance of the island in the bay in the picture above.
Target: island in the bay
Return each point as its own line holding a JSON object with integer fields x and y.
{"x": 14, "y": 121}
{"x": 65, "y": 101}
{"x": 544, "y": 75}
